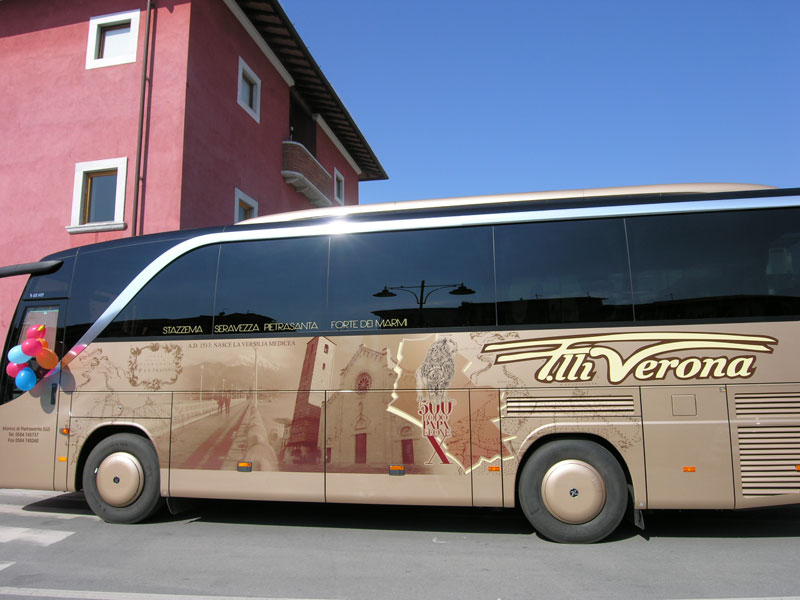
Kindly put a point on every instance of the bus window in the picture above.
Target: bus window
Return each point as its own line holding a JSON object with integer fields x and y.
{"x": 100, "y": 275}
{"x": 179, "y": 300}
{"x": 715, "y": 265}
{"x": 35, "y": 315}
{"x": 41, "y": 315}
{"x": 562, "y": 272}
{"x": 52, "y": 285}
{"x": 260, "y": 283}
{"x": 425, "y": 278}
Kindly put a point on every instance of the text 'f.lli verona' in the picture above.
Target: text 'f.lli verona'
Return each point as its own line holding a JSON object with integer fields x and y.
{"x": 574, "y": 359}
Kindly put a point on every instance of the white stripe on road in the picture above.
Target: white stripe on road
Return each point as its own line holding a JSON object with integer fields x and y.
{"x": 40, "y": 537}
{"x": 10, "y": 509}
{"x": 84, "y": 595}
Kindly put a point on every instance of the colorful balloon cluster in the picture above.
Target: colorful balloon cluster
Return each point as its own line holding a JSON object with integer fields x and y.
{"x": 34, "y": 346}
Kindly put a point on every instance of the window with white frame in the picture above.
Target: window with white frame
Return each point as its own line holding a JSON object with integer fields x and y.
{"x": 98, "y": 195}
{"x": 245, "y": 208}
{"x": 113, "y": 39}
{"x": 249, "y": 91}
{"x": 338, "y": 186}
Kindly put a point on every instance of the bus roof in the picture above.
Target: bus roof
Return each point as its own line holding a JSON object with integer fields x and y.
{"x": 412, "y": 205}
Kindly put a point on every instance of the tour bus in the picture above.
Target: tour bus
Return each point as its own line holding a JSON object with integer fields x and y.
{"x": 581, "y": 355}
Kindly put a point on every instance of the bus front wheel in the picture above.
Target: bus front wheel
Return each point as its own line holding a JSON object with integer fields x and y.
{"x": 573, "y": 491}
{"x": 121, "y": 479}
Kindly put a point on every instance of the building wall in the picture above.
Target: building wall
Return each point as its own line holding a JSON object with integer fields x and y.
{"x": 162, "y": 173}
{"x": 330, "y": 157}
{"x": 225, "y": 148}
{"x": 56, "y": 113}
{"x": 199, "y": 144}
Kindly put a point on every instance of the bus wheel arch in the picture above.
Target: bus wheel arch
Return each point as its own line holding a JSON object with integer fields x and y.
{"x": 573, "y": 488}
{"x": 120, "y": 473}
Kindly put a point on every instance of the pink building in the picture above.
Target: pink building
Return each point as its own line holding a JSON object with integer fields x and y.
{"x": 125, "y": 117}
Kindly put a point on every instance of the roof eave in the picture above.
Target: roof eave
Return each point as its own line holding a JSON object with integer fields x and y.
{"x": 274, "y": 26}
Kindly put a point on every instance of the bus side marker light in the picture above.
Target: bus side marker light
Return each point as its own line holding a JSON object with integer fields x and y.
{"x": 244, "y": 467}
{"x": 689, "y": 469}
{"x": 797, "y": 467}
{"x": 397, "y": 470}
{"x": 494, "y": 469}
{"x": 65, "y": 430}
{"x": 62, "y": 459}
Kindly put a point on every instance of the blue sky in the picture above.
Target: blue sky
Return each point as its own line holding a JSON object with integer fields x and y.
{"x": 462, "y": 98}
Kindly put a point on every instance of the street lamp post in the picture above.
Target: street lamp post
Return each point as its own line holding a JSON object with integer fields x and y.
{"x": 425, "y": 291}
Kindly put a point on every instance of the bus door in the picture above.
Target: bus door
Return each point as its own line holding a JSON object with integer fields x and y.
{"x": 687, "y": 447}
{"x": 32, "y": 452}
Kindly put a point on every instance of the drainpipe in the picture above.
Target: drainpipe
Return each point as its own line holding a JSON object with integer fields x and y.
{"x": 140, "y": 133}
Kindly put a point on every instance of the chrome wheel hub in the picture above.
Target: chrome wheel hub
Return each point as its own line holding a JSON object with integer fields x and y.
{"x": 573, "y": 491}
{"x": 120, "y": 479}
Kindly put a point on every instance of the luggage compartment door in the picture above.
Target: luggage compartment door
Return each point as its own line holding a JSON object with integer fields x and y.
{"x": 687, "y": 447}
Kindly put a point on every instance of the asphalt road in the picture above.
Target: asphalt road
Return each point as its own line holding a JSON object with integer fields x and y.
{"x": 51, "y": 546}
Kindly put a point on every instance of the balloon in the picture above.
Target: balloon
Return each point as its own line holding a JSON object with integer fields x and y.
{"x": 13, "y": 369}
{"x": 36, "y": 331}
{"x": 44, "y": 342}
{"x": 47, "y": 358}
{"x": 16, "y": 355}
{"x": 25, "y": 379}
{"x": 31, "y": 346}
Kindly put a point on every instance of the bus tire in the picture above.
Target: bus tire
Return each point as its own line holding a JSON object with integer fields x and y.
{"x": 573, "y": 491}
{"x": 121, "y": 479}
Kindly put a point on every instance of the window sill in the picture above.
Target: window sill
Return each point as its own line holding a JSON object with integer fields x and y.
{"x": 250, "y": 111}
{"x": 99, "y": 63}
{"x": 94, "y": 227}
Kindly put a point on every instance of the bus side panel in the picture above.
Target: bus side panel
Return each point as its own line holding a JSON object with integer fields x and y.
{"x": 765, "y": 432}
{"x": 154, "y": 429}
{"x": 246, "y": 444}
{"x": 489, "y": 455}
{"x": 61, "y": 480}
{"x": 612, "y": 414}
{"x": 378, "y": 455}
{"x": 28, "y": 438}
{"x": 146, "y": 411}
{"x": 687, "y": 447}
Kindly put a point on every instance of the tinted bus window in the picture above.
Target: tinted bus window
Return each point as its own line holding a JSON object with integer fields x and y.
{"x": 52, "y": 285}
{"x": 179, "y": 300}
{"x": 716, "y": 265}
{"x": 395, "y": 280}
{"x": 562, "y": 272}
{"x": 271, "y": 286}
{"x": 100, "y": 276}
{"x": 33, "y": 315}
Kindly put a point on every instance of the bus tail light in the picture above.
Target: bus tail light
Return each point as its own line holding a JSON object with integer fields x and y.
{"x": 689, "y": 469}
{"x": 244, "y": 467}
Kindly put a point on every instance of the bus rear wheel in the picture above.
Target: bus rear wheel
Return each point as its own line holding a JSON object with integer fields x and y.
{"x": 121, "y": 480}
{"x": 573, "y": 491}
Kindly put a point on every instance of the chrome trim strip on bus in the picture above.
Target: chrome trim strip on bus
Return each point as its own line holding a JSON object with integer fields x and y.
{"x": 342, "y": 226}
{"x": 410, "y": 206}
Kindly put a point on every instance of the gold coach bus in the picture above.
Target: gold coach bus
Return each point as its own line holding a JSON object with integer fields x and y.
{"x": 577, "y": 354}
